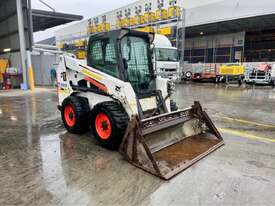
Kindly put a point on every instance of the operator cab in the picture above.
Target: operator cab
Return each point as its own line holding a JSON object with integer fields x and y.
{"x": 126, "y": 55}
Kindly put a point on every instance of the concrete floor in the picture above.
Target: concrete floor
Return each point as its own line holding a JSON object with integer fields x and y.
{"x": 42, "y": 164}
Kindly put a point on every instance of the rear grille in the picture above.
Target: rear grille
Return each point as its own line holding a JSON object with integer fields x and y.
{"x": 170, "y": 70}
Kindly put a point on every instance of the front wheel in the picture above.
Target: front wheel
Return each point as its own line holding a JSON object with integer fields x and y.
{"x": 109, "y": 122}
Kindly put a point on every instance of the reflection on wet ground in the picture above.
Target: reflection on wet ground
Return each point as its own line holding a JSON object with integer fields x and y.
{"x": 42, "y": 164}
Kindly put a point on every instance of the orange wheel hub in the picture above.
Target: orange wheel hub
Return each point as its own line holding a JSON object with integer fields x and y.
{"x": 69, "y": 115}
{"x": 103, "y": 126}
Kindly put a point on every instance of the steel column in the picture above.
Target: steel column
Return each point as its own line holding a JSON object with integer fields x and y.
{"x": 22, "y": 40}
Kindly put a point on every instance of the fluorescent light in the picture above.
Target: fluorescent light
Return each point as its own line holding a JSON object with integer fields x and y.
{"x": 7, "y": 50}
{"x": 13, "y": 118}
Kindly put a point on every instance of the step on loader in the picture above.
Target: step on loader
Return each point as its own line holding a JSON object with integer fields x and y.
{"x": 116, "y": 94}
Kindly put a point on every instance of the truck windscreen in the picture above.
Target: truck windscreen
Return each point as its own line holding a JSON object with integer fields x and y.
{"x": 163, "y": 54}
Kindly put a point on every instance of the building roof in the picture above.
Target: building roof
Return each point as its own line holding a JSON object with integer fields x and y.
{"x": 48, "y": 41}
{"x": 262, "y": 22}
{"x": 230, "y": 16}
{"x": 43, "y": 20}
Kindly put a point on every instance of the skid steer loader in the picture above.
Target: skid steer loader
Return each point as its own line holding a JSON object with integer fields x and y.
{"x": 116, "y": 94}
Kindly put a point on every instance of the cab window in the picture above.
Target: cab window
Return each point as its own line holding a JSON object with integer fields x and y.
{"x": 102, "y": 56}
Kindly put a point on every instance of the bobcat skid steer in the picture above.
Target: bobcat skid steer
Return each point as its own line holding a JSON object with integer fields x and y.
{"x": 116, "y": 94}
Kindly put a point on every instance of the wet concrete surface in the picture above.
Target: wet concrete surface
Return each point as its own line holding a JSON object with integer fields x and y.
{"x": 42, "y": 164}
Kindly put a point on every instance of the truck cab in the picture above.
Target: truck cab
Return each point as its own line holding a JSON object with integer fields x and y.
{"x": 166, "y": 58}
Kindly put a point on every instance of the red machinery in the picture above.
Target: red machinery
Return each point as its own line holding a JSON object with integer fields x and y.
{"x": 7, "y": 81}
{"x": 205, "y": 72}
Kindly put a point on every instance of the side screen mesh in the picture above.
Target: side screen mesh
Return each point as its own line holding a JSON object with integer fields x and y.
{"x": 103, "y": 57}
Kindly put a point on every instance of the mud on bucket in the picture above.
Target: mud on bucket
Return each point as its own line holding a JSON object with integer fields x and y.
{"x": 167, "y": 144}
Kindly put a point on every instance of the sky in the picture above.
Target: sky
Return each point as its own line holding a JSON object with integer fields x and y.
{"x": 86, "y": 8}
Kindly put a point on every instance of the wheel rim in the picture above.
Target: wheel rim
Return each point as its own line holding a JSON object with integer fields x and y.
{"x": 103, "y": 126}
{"x": 69, "y": 115}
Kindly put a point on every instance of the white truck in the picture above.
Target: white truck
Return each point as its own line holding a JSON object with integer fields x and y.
{"x": 166, "y": 58}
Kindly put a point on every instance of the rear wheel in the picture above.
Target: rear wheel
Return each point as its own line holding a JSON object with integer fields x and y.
{"x": 109, "y": 122}
{"x": 75, "y": 114}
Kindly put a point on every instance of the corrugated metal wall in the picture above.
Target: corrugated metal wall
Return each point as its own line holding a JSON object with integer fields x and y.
{"x": 216, "y": 48}
{"x": 42, "y": 65}
{"x": 15, "y": 60}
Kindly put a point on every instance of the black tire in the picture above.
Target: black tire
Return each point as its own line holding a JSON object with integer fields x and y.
{"x": 81, "y": 111}
{"x": 118, "y": 121}
{"x": 217, "y": 79}
{"x": 240, "y": 82}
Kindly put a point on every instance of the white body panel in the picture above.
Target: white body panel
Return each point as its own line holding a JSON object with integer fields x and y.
{"x": 162, "y": 86}
{"x": 71, "y": 70}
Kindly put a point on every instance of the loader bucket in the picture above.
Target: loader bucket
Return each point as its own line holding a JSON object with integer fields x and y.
{"x": 167, "y": 144}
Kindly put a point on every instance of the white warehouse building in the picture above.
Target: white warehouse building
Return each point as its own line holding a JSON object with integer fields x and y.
{"x": 216, "y": 31}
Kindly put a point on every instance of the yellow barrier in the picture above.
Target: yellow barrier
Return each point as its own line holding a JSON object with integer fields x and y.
{"x": 30, "y": 72}
{"x": 99, "y": 28}
{"x": 125, "y": 22}
{"x": 81, "y": 54}
{"x": 140, "y": 19}
{"x": 174, "y": 11}
{"x": 80, "y": 43}
{"x": 164, "y": 31}
{"x": 31, "y": 79}
{"x": 147, "y": 29}
{"x": 106, "y": 26}
{"x": 4, "y": 64}
{"x": 103, "y": 27}
{"x": 161, "y": 14}
{"x": 150, "y": 17}
{"x": 132, "y": 21}
{"x": 118, "y": 23}
{"x": 61, "y": 45}
{"x": 92, "y": 29}
{"x": 231, "y": 70}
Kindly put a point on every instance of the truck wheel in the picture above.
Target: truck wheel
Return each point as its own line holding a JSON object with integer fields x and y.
{"x": 188, "y": 75}
{"x": 217, "y": 79}
{"x": 75, "y": 114}
{"x": 109, "y": 122}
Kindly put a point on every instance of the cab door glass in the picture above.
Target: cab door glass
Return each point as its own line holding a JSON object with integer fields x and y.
{"x": 135, "y": 55}
{"x": 103, "y": 57}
